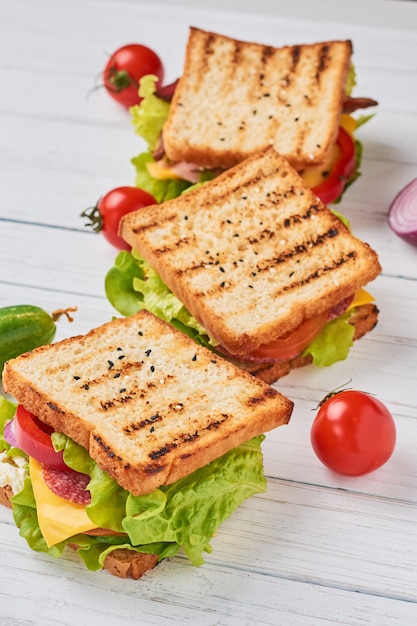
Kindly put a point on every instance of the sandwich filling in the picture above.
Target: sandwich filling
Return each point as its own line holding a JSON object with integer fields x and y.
{"x": 131, "y": 438}
{"x": 56, "y": 507}
{"x": 165, "y": 178}
{"x": 132, "y": 284}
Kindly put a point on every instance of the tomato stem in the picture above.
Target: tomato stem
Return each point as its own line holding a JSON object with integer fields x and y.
{"x": 93, "y": 214}
{"x": 334, "y": 392}
{"x": 120, "y": 79}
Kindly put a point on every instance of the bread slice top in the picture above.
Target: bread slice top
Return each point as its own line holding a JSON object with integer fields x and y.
{"x": 252, "y": 253}
{"x": 148, "y": 404}
{"x": 236, "y": 98}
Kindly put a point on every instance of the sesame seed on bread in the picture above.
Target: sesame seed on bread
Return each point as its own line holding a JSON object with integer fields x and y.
{"x": 236, "y": 98}
{"x": 253, "y": 253}
{"x": 148, "y": 404}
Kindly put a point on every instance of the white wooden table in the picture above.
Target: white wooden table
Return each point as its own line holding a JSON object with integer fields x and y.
{"x": 316, "y": 549}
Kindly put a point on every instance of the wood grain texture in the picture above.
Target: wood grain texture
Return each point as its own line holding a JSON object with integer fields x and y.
{"x": 316, "y": 548}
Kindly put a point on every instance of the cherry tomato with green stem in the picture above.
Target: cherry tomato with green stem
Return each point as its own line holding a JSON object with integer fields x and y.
{"x": 125, "y": 68}
{"x": 106, "y": 214}
{"x": 353, "y": 433}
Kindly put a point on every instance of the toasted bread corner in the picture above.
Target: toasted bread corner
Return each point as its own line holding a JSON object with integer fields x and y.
{"x": 252, "y": 253}
{"x": 289, "y": 97}
{"x": 148, "y": 404}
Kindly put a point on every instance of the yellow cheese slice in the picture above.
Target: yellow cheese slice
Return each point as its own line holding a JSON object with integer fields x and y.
{"x": 160, "y": 171}
{"x": 348, "y": 123}
{"x": 58, "y": 518}
{"x": 361, "y": 297}
{"x": 314, "y": 176}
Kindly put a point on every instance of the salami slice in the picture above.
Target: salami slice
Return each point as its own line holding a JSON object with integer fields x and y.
{"x": 340, "y": 308}
{"x": 71, "y": 486}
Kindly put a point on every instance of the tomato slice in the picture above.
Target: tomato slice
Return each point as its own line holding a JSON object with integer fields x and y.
{"x": 330, "y": 189}
{"x": 291, "y": 344}
{"x": 34, "y": 438}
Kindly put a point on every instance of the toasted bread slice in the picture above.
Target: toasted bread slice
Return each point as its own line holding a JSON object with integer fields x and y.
{"x": 235, "y": 98}
{"x": 148, "y": 404}
{"x": 253, "y": 253}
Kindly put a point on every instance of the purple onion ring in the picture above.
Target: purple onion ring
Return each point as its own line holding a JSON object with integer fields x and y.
{"x": 9, "y": 434}
{"x": 402, "y": 214}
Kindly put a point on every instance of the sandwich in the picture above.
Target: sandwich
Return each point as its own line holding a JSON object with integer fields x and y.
{"x": 237, "y": 98}
{"x": 253, "y": 265}
{"x": 130, "y": 443}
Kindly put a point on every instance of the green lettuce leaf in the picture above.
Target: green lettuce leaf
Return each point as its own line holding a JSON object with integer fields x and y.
{"x": 184, "y": 515}
{"x": 350, "y": 80}
{"x": 118, "y": 284}
{"x": 131, "y": 284}
{"x": 341, "y": 217}
{"x": 150, "y": 115}
{"x": 7, "y": 411}
{"x": 161, "y": 190}
{"x": 189, "y": 511}
{"x": 333, "y": 343}
{"x": 363, "y": 119}
{"x": 108, "y": 499}
{"x": 148, "y": 118}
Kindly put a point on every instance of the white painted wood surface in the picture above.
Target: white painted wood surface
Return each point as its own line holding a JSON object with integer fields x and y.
{"x": 316, "y": 549}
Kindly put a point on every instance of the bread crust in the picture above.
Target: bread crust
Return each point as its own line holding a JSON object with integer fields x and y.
{"x": 126, "y": 563}
{"x": 253, "y": 253}
{"x": 290, "y": 97}
{"x": 6, "y": 493}
{"x": 148, "y": 404}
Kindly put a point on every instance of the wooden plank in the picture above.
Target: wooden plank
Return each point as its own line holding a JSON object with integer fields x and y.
{"x": 176, "y": 593}
{"x": 317, "y": 548}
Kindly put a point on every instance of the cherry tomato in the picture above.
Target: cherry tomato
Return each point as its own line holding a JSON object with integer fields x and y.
{"x": 34, "y": 438}
{"x": 353, "y": 433}
{"x": 294, "y": 342}
{"x": 106, "y": 215}
{"x": 331, "y": 188}
{"x": 125, "y": 68}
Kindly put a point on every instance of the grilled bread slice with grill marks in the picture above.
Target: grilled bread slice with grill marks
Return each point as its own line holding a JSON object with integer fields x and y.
{"x": 148, "y": 404}
{"x": 236, "y": 98}
{"x": 253, "y": 253}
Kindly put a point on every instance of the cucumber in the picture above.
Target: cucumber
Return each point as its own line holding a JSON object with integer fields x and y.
{"x": 22, "y": 328}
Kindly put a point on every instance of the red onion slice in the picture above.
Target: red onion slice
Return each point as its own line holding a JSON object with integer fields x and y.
{"x": 9, "y": 434}
{"x": 402, "y": 214}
